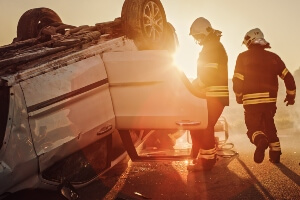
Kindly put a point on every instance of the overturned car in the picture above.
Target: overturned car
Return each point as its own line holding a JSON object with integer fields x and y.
{"x": 75, "y": 100}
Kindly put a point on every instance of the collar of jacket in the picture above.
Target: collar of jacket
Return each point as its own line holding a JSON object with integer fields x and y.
{"x": 258, "y": 46}
{"x": 214, "y": 36}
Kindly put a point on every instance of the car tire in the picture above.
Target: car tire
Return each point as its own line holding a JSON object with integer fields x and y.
{"x": 170, "y": 39}
{"x": 144, "y": 21}
{"x": 32, "y": 21}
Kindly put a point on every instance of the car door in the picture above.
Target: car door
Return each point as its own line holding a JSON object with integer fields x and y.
{"x": 150, "y": 95}
{"x": 71, "y": 119}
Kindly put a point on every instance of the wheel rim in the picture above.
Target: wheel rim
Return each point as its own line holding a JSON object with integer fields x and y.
{"x": 153, "y": 21}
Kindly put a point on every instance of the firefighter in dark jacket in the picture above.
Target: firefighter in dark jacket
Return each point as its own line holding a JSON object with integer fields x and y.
{"x": 212, "y": 77}
{"x": 255, "y": 84}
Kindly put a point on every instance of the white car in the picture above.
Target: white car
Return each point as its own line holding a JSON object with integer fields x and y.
{"x": 73, "y": 100}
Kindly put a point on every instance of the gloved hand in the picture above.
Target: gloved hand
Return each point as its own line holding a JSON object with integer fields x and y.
{"x": 290, "y": 99}
{"x": 239, "y": 100}
{"x": 199, "y": 88}
{"x": 198, "y": 84}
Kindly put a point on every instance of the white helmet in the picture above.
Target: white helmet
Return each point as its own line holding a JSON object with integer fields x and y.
{"x": 254, "y": 36}
{"x": 200, "y": 26}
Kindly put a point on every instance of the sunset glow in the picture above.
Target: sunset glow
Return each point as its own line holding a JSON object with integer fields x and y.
{"x": 233, "y": 18}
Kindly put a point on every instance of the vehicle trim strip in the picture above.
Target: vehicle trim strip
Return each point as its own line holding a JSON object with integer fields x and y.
{"x": 135, "y": 83}
{"x": 66, "y": 96}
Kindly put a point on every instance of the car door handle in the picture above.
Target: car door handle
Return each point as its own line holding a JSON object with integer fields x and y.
{"x": 187, "y": 123}
{"x": 104, "y": 129}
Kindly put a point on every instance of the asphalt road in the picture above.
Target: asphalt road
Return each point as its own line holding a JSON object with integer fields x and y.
{"x": 238, "y": 177}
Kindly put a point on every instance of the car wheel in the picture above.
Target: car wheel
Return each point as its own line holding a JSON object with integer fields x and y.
{"x": 144, "y": 21}
{"x": 33, "y": 20}
{"x": 170, "y": 40}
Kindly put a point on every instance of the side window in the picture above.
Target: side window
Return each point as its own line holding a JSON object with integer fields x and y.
{"x": 4, "y": 105}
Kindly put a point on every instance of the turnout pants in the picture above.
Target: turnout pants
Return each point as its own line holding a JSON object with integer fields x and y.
{"x": 204, "y": 140}
{"x": 259, "y": 120}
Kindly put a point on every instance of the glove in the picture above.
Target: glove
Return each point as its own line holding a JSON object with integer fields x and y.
{"x": 290, "y": 99}
{"x": 239, "y": 100}
{"x": 197, "y": 83}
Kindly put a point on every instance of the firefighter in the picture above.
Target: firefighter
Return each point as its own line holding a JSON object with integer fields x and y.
{"x": 212, "y": 77}
{"x": 255, "y": 84}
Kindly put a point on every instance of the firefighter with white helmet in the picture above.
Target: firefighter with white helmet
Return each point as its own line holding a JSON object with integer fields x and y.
{"x": 255, "y": 84}
{"x": 212, "y": 77}
{"x": 254, "y": 36}
{"x": 200, "y": 28}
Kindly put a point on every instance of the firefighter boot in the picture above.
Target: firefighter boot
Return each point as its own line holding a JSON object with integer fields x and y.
{"x": 202, "y": 165}
{"x": 206, "y": 160}
{"x": 194, "y": 155}
{"x": 275, "y": 152}
{"x": 274, "y": 156}
{"x": 259, "y": 153}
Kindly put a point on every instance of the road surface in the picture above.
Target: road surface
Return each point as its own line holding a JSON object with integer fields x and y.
{"x": 238, "y": 177}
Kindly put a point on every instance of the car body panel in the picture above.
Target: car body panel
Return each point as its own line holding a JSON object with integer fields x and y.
{"x": 31, "y": 70}
{"x": 68, "y": 108}
{"x": 148, "y": 92}
{"x": 17, "y": 154}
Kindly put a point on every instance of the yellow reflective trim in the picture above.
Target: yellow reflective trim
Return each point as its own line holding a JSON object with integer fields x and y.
{"x": 217, "y": 88}
{"x": 212, "y": 65}
{"x": 284, "y": 73}
{"x": 275, "y": 146}
{"x": 217, "y": 94}
{"x": 207, "y": 157}
{"x": 207, "y": 154}
{"x": 239, "y": 76}
{"x": 291, "y": 92}
{"x": 208, "y": 151}
{"x": 256, "y": 95}
{"x": 258, "y": 101}
{"x": 256, "y": 133}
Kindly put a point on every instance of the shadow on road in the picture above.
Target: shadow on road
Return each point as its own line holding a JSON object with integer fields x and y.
{"x": 252, "y": 191}
{"x": 289, "y": 173}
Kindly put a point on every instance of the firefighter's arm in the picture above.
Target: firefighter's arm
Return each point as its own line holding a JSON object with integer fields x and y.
{"x": 198, "y": 84}
{"x": 290, "y": 99}
{"x": 290, "y": 89}
{"x": 239, "y": 98}
{"x": 207, "y": 72}
{"x": 237, "y": 90}
{"x": 289, "y": 82}
{"x": 238, "y": 82}
{"x": 208, "y": 66}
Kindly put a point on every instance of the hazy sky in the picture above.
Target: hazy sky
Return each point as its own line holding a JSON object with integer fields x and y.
{"x": 278, "y": 19}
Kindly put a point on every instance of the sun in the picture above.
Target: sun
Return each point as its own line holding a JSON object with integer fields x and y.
{"x": 185, "y": 57}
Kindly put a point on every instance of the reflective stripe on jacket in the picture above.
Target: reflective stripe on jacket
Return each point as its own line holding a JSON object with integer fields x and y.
{"x": 255, "y": 78}
{"x": 212, "y": 70}
{"x": 217, "y": 91}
